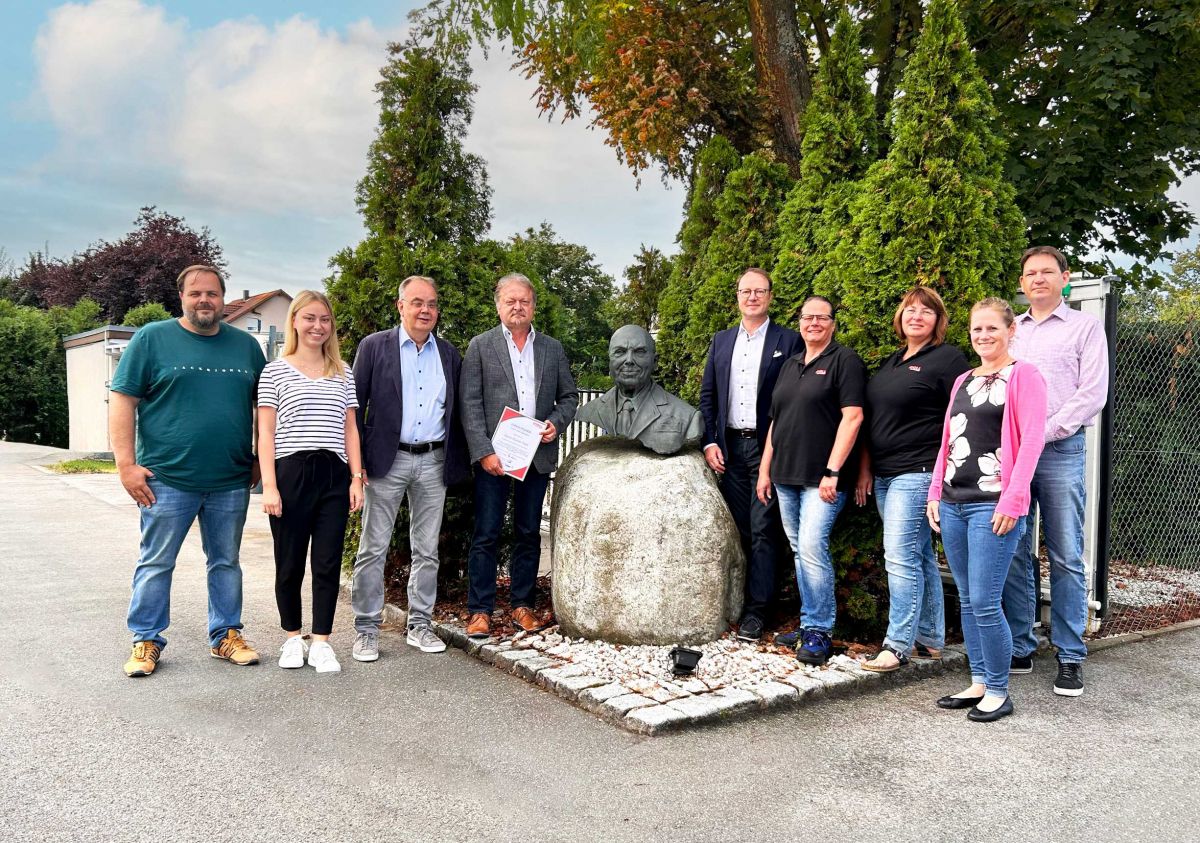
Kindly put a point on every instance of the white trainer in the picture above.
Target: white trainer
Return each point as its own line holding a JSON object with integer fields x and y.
{"x": 425, "y": 640}
{"x": 322, "y": 657}
{"x": 291, "y": 654}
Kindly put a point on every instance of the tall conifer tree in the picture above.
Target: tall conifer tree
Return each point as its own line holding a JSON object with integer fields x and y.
{"x": 839, "y": 144}
{"x": 937, "y": 211}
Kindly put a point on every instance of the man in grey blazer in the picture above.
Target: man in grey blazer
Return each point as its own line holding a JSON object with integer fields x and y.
{"x": 515, "y": 366}
{"x": 406, "y": 380}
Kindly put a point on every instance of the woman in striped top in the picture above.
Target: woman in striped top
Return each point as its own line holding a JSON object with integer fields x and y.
{"x": 312, "y": 475}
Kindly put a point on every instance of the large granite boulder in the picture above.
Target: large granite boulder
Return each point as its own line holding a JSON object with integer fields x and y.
{"x": 644, "y": 548}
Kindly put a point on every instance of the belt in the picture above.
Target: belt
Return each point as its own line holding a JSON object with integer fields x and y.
{"x": 423, "y": 448}
{"x": 739, "y": 433}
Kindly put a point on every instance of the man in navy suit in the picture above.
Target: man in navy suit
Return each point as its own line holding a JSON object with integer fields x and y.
{"x": 735, "y": 400}
{"x": 413, "y": 444}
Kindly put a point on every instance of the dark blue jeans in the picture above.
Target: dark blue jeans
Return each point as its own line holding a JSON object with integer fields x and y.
{"x": 491, "y": 500}
{"x": 758, "y": 525}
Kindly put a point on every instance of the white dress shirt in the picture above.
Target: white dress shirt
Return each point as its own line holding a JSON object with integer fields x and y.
{"x": 523, "y": 373}
{"x": 743, "y": 377}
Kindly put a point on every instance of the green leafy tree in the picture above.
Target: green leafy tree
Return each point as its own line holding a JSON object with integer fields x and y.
{"x": 937, "y": 211}
{"x": 839, "y": 144}
{"x": 33, "y": 369}
{"x": 1097, "y": 100}
{"x": 144, "y": 314}
{"x": 645, "y": 280}
{"x": 580, "y": 290}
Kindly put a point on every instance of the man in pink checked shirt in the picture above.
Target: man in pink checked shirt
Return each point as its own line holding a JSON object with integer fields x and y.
{"x": 1070, "y": 350}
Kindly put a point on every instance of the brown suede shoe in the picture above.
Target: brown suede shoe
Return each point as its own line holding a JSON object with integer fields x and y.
{"x": 235, "y": 649}
{"x": 479, "y": 626}
{"x": 144, "y": 659}
{"x": 523, "y": 618}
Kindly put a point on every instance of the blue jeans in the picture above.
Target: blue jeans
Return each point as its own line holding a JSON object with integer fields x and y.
{"x": 1058, "y": 489}
{"x": 165, "y": 525}
{"x": 979, "y": 560}
{"x": 491, "y": 500}
{"x": 917, "y": 610}
{"x": 808, "y": 521}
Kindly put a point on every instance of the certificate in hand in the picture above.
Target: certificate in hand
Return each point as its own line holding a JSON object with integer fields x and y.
{"x": 516, "y": 440}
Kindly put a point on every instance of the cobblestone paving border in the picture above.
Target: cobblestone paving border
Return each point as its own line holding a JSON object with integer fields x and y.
{"x": 655, "y": 708}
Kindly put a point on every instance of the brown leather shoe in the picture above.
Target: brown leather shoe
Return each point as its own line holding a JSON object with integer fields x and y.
{"x": 523, "y": 618}
{"x": 480, "y": 625}
{"x": 233, "y": 648}
{"x": 144, "y": 659}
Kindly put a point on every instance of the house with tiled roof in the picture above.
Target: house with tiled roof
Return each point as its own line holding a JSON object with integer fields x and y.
{"x": 258, "y": 315}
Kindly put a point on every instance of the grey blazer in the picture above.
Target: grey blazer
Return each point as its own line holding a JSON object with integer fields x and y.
{"x": 487, "y": 386}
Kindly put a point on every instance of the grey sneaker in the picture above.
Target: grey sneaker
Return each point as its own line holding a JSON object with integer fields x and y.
{"x": 366, "y": 647}
{"x": 425, "y": 640}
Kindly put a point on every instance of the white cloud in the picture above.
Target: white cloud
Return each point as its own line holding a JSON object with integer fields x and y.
{"x": 240, "y": 114}
{"x": 260, "y": 131}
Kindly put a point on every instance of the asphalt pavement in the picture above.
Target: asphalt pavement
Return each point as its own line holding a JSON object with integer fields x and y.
{"x": 443, "y": 747}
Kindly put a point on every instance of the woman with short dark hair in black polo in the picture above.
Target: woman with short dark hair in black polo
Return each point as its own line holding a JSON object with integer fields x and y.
{"x": 810, "y": 462}
{"x": 906, "y": 405}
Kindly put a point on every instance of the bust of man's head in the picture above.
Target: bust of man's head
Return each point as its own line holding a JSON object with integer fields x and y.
{"x": 631, "y": 358}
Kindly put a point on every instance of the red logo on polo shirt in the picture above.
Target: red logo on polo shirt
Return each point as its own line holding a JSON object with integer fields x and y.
{"x": 914, "y": 368}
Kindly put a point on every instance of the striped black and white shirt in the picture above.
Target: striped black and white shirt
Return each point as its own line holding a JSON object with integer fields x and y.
{"x": 310, "y": 414}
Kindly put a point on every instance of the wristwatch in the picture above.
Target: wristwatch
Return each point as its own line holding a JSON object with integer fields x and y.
{"x": 829, "y": 472}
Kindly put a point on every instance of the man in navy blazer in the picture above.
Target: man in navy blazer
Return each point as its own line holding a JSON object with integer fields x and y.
{"x": 735, "y": 401}
{"x": 413, "y": 444}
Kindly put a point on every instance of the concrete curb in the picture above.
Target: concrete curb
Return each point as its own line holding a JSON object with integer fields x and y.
{"x": 654, "y": 714}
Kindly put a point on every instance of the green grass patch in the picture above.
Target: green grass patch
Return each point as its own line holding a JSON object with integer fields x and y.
{"x": 84, "y": 467}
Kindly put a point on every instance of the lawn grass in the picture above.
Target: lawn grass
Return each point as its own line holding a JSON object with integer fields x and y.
{"x": 84, "y": 467}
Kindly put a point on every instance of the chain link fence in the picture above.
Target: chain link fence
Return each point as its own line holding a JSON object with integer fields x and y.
{"x": 1154, "y": 532}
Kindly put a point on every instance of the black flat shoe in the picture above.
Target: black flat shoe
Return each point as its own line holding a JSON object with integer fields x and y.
{"x": 955, "y": 703}
{"x": 1005, "y": 709}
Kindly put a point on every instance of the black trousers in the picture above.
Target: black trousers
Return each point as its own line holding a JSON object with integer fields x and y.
{"x": 315, "y": 489}
{"x": 758, "y": 524}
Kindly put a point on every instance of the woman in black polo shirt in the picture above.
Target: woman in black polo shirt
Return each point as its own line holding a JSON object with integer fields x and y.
{"x": 809, "y": 461}
{"x": 907, "y": 398}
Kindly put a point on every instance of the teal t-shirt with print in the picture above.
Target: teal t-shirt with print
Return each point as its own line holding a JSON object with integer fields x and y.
{"x": 195, "y": 413}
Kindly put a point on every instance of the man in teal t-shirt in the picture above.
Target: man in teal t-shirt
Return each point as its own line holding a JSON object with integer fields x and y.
{"x": 190, "y": 385}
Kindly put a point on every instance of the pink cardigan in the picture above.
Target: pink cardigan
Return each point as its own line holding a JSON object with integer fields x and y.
{"x": 1022, "y": 437}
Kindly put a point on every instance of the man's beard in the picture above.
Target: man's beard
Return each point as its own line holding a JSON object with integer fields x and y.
{"x": 202, "y": 319}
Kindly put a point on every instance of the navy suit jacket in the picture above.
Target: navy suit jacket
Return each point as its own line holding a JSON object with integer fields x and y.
{"x": 779, "y": 344}
{"x": 377, "y": 384}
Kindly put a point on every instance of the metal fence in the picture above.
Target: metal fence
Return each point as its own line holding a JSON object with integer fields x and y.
{"x": 1154, "y": 530}
{"x": 576, "y": 433}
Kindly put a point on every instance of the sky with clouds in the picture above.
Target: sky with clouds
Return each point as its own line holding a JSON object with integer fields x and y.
{"x": 253, "y": 118}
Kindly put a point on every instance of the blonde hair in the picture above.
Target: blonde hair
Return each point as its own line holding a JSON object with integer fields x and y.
{"x": 334, "y": 367}
{"x": 999, "y": 305}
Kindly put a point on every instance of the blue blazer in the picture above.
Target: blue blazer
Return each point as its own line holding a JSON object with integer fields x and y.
{"x": 780, "y": 344}
{"x": 377, "y": 385}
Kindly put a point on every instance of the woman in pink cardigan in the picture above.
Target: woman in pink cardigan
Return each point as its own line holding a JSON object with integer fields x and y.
{"x": 991, "y": 441}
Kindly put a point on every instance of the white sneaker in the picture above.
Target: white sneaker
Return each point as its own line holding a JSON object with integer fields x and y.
{"x": 321, "y": 656}
{"x": 291, "y": 654}
{"x": 425, "y": 640}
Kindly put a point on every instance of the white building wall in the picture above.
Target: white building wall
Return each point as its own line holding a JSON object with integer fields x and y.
{"x": 89, "y": 372}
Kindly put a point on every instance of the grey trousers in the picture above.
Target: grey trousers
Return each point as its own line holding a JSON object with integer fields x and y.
{"x": 419, "y": 476}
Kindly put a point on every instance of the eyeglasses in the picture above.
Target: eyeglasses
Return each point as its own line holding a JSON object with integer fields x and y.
{"x": 918, "y": 311}
{"x": 418, "y": 304}
{"x": 756, "y": 293}
{"x": 820, "y": 318}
